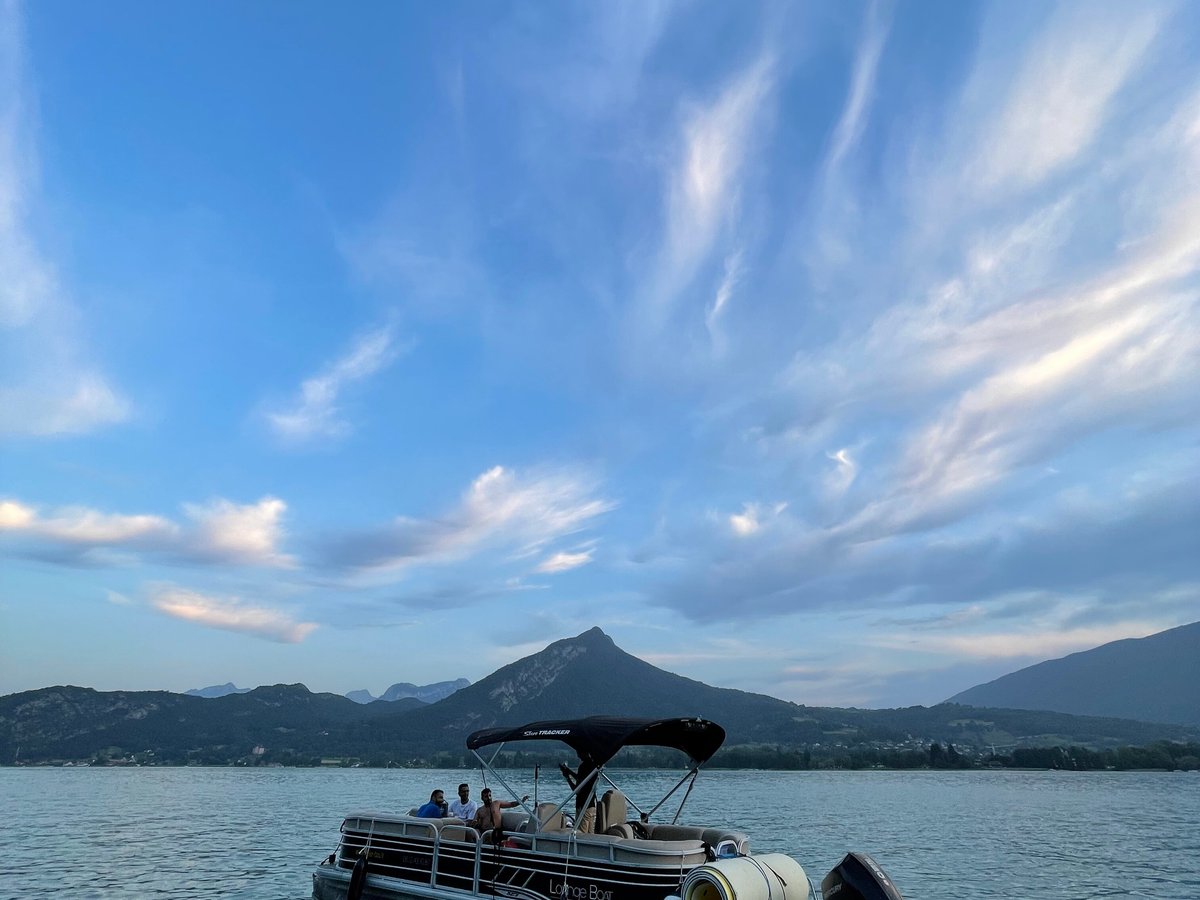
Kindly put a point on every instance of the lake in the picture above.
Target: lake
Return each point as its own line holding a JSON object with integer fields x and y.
{"x": 257, "y": 833}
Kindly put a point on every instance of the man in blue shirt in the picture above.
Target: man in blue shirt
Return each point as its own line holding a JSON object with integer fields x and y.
{"x": 435, "y": 808}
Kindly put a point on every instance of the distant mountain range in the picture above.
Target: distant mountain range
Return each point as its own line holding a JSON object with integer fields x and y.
{"x": 426, "y": 693}
{"x": 217, "y": 690}
{"x": 1151, "y": 679}
{"x": 579, "y": 676}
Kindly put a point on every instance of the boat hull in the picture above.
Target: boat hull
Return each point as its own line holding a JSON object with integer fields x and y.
{"x": 413, "y": 858}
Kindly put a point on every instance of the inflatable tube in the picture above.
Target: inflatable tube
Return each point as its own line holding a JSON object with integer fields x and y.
{"x": 772, "y": 876}
{"x": 358, "y": 879}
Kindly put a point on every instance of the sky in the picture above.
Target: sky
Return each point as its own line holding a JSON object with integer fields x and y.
{"x": 843, "y": 352}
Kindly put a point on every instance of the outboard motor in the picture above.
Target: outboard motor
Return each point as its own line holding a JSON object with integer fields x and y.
{"x": 858, "y": 877}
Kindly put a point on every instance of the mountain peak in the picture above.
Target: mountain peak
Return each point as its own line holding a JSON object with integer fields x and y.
{"x": 594, "y": 636}
{"x": 217, "y": 690}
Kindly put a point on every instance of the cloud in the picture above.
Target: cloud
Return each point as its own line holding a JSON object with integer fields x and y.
{"x": 1063, "y": 92}
{"x": 729, "y": 283}
{"x": 835, "y": 208}
{"x": 753, "y": 518}
{"x": 704, "y": 183}
{"x": 746, "y": 522}
{"x": 502, "y": 508}
{"x": 316, "y": 412}
{"x": 247, "y": 534}
{"x": 222, "y": 533}
{"x": 564, "y": 562}
{"x": 1027, "y": 642}
{"x": 1124, "y": 348}
{"x": 78, "y": 525}
{"x": 117, "y": 599}
{"x": 839, "y": 480}
{"x": 850, "y": 126}
{"x": 1136, "y": 542}
{"x": 230, "y": 614}
{"x": 50, "y": 388}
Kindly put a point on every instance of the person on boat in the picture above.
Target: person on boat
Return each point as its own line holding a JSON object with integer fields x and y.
{"x": 435, "y": 808}
{"x": 488, "y": 814}
{"x": 464, "y": 807}
{"x": 585, "y": 811}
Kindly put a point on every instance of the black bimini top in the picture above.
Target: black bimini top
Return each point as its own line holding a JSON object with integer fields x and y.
{"x": 597, "y": 739}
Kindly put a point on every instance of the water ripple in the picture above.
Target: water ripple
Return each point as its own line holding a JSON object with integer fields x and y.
{"x": 106, "y": 834}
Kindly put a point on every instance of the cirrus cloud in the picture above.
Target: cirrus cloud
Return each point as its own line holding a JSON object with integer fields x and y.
{"x": 518, "y": 512}
{"x": 230, "y": 614}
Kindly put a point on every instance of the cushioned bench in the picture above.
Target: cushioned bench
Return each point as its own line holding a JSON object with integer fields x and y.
{"x": 711, "y": 836}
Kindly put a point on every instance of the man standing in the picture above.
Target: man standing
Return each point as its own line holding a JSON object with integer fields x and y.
{"x": 464, "y": 807}
{"x": 435, "y": 808}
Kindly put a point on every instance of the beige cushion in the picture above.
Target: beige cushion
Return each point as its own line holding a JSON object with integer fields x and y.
{"x": 613, "y": 810}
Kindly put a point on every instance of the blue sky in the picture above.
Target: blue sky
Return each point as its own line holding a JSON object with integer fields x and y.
{"x": 845, "y": 352}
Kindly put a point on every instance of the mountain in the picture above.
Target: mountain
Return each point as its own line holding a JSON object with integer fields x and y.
{"x": 70, "y": 722}
{"x": 574, "y": 677}
{"x": 590, "y": 675}
{"x": 426, "y": 693}
{"x": 217, "y": 690}
{"x": 1150, "y": 679}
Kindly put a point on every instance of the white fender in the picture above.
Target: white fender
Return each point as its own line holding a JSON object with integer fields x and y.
{"x": 772, "y": 876}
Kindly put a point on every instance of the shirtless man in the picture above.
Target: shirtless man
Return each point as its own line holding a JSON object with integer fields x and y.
{"x": 488, "y": 814}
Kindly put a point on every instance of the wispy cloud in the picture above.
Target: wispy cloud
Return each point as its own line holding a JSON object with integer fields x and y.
{"x": 836, "y": 207}
{"x": 316, "y": 412}
{"x": 838, "y": 481}
{"x": 50, "y": 388}
{"x": 729, "y": 283}
{"x": 703, "y": 184}
{"x": 850, "y": 126}
{"x": 1134, "y": 540}
{"x": 221, "y": 533}
{"x": 1062, "y": 94}
{"x": 1026, "y": 642}
{"x": 82, "y": 526}
{"x": 502, "y": 509}
{"x": 230, "y": 614}
{"x": 564, "y": 561}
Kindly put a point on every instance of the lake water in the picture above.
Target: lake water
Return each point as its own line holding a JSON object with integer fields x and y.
{"x": 257, "y": 833}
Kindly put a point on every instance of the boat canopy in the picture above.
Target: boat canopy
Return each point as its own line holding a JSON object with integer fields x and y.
{"x": 597, "y": 739}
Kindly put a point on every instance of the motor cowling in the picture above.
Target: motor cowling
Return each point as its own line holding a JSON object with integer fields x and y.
{"x": 858, "y": 877}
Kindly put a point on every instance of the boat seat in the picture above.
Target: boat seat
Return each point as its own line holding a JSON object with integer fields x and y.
{"x": 710, "y": 836}
{"x": 621, "y": 829}
{"x": 551, "y": 820}
{"x": 513, "y": 819}
{"x": 457, "y": 832}
{"x": 651, "y": 852}
{"x": 676, "y": 833}
{"x": 612, "y": 810}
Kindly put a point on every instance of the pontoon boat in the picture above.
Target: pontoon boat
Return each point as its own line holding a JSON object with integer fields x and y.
{"x": 597, "y": 844}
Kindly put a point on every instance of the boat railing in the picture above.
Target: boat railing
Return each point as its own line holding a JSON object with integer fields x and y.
{"x": 414, "y": 861}
{"x": 448, "y": 854}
